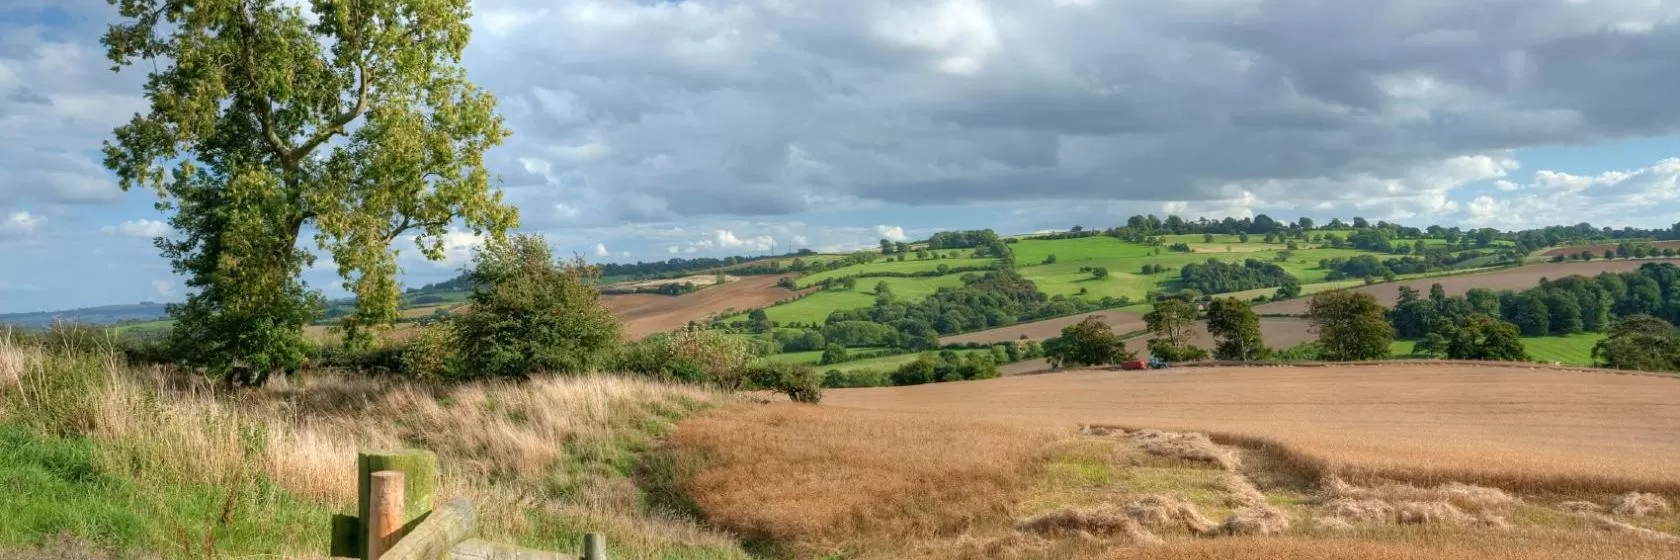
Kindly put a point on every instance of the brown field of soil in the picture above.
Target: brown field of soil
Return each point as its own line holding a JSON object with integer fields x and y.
{"x": 1599, "y": 249}
{"x": 1120, "y": 321}
{"x": 1511, "y": 426}
{"x": 1520, "y": 278}
{"x": 640, "y": 315}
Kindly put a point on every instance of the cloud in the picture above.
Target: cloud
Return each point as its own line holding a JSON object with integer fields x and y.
{"x": 725, "y": 239}
{"x": 891, "y": 233}
{"x": 163, "y": 288}
{"x": 601, "y": 250}
{"x": 673, "y": 249}
{"x": 659, "y": 111}
{"x": 1643, "y": 196}
{"x": 21, "y": 224}
{"x": 142, "y": 228}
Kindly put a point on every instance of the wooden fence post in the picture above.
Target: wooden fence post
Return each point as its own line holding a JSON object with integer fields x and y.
{"x": 594, "y": 547}
{"x": 419, "y": 472}
{"x": 385, "y": 515}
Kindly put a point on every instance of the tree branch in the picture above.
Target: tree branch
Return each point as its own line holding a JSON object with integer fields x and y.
{"x": 336, "y": 126}
{"x": 264, "y": 107}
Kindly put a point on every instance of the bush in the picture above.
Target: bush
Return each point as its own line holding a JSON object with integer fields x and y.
{"x": 1161, "y": 348}
{"x": 799, "y": 382}
{"x": 532, "y": 313}
{"x": 835, "y": 378}
{"x": 431, "y": 353}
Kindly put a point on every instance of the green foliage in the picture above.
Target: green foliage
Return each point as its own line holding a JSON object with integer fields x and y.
{"x": 1290, "y": 289}
{"x": 1480, "y": 337}
{"x": 1173, "y": 322}
{"x": 1350, "y": 326}
{"x": 1216, "y": 276}
{"x": 1160, "y": 348}
{"x": 942, "y": 367}
{"x": 799, "y": 382}
{"x": 358, "y": 123}
{"x": 431, "y": 353}
{"x": 1303, "y": 352}
{"x": 532, "y": 313}
{"x": 54, "y": 485}
{"x": 834, "y": 354}
{"x": 1089, "y": 342}
{"x": 1235, "y": 329}
{"x": 1640, "y": 342}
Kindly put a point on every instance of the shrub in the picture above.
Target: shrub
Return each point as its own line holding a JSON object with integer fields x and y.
{"x": 835, "y": 378}
{"x": 431, "y": 353}
{"x": 799, "y": 382}
{"x": 532, "y": 313}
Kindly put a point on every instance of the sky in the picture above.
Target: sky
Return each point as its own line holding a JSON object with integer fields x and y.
{"x": 651, "y": 129}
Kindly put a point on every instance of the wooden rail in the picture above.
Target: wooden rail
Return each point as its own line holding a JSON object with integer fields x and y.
{"x": 397, "y": 520}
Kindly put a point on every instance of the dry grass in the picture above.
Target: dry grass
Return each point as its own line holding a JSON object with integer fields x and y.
{"x": 1511, "y": 427}
{"x": 544, "y": 460}
{"x": 1430, "y": 545}
{"x": 818, "y": 480}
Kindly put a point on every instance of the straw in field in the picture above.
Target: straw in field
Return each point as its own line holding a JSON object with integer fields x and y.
{"x": 1639, "y": 504}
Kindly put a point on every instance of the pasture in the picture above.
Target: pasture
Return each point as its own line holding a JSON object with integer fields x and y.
{"x": 908, "y": 265}
{"x": 1573, "y": 350}
{"x": 1125, "y": 262}
{"x": 1121, "y": 321}
{"x": 816, "y": 307}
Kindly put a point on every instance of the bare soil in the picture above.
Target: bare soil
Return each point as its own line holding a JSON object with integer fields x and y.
{"x": 1522, "y": 428}
{"x": 1520, "y": 278}
{"x": 1120, "y": 321}
{"x": 644, "y": 314}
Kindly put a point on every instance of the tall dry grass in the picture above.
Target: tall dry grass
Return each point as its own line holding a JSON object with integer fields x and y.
{"x": 804, "y": 481}
{"x": 1520, "y": 429}
{"x": 544, "y": 460}
{"x": 1413, "y": 545}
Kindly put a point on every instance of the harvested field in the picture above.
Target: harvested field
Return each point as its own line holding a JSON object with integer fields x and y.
{"x": 1275, "y": 332}
{"x": 1514, "y": 427}
{"x": 1120, "y": 321}
{"x": 1599, "y": 249}
{"x": 644, "y": 314}
{"x": 699, "y": 280}
{"x": 1520, "y": 278}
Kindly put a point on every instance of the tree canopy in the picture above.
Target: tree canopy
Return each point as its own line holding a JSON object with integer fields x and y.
{"x": 355, "y": 122}
{"x": 1236, "y": 330}
{"x": 1350, "y": 326}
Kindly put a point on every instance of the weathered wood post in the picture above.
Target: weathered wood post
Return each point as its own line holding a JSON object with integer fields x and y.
{"x": 385, "y": 515}
{"x": 594, "y": 547}
{"x": 419, "y": 477}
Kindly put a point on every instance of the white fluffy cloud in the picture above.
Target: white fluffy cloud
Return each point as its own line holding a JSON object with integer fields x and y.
{"x": 22, "y": 223}
{"x": 163, "y": 288}
{"x": 891, "y": 233}
{"x": 601, "y": 250}
{"x": 1647, "y": 196}
{"x": 141, "y": 228}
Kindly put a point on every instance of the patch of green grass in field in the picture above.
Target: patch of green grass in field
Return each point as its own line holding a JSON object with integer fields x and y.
{"x": 888, "y": 363}
{"x": 1573, "y": 350}
{"x": 1125, "y": 262}
{"x": 909, "y": 265}
{"x": 52, "y": 485}
{"x": 147, "y": 327}
{"x": 816, "y": 307}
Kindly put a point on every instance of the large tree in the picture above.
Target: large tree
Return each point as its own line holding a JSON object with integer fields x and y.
{"x": 1480, "y": 337}
{"x": 1173, "y": 323}
{"x": 1089, "y": 342}
{"x": 1235, "y": 329}
{"x": 1350, "y": 326}
{"x": 1640, "y": 342}
{"x": 354, "y": 121}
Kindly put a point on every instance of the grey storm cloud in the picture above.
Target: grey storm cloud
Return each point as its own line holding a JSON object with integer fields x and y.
{"x": 758, "y": 106}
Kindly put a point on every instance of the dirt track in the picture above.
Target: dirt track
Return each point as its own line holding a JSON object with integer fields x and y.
{"x": 1498, "y": 424}
{"x": 1120, "y": 321}
{"x": 1520, "y": 278}
{"x": 644, "y": 314}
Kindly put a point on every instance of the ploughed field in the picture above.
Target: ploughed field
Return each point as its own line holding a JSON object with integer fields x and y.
{"x": 643, "y": 314}
{"x": 1530, "y": 427}
{"x": 1518, "y": 279}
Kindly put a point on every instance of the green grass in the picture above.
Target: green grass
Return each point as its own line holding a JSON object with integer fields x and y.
{"x": 887, "y": 363}
{"x": 816, "y": 307}
{"x": 909, "y": 265}
{"x": 52, "y": 485}
{"x": 1125, "y": 262}
{"x": 1573, "y": 350}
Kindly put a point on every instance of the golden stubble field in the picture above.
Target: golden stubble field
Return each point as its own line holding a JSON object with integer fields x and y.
{"x": 1512, "y": 426}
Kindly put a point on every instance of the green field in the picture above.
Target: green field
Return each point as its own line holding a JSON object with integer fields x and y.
{"x": 1574, "y": 349}
{"x": 909, "y": 265}
{"x": 816, "y": 307}
{"x": 1125, "y": 261}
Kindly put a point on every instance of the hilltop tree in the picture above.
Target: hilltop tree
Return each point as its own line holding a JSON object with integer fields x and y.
{"x": 1235, "y": 329}
{"x": 356, "y": 121}
{"x": 1350, "y": 326}
{"x": 1090, "y": 342}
